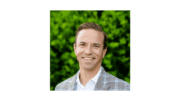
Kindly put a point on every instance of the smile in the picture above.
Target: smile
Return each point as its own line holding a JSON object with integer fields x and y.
{"x": 88, "y": 58}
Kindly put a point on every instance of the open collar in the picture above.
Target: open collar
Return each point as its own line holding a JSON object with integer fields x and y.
{"x": 102, "y": 81}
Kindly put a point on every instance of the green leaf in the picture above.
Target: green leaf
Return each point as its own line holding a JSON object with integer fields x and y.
{"x": 109, "y": 56}
{"x": 52, "y": 53}
{"x": 128, "y": 44}
{"x": 65, "y": 56}
{"x": 109, "y": 66}
{"x": 54, "y": 42}
{"x": 72, "y": 39}
{"x": 122, "y": 41}
{"x": 71, "y": 62}
{"x": 55, "y": 31}
{"x": 113, "y": 73}
{"x": 67, "y": 68}
{"x": 124, "y": 59}
{"x": 127, "y": 79}
{"x": 60, "y": 36}
{"x": 122, "y": 51}
{"x": 113, "y": 44}
{"x": 52, "y": 88}
{"x": 73, "y": 54}
{"x": 107, "y": 62}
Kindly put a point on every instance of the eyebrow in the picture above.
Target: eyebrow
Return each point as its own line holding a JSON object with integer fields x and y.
{"x": 93, "y": 43}
{"x": 82, "y": 42}
{"x": 96, "y": 44}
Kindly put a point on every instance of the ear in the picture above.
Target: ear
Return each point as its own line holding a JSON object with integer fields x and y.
{"x": 104, "y": 52}
{"x": 74, "y": 48}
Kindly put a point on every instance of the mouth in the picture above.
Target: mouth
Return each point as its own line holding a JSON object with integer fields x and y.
{"x": 88, "y": 58}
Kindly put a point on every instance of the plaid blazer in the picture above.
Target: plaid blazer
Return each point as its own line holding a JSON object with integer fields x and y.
{"x": 106, "y": 82}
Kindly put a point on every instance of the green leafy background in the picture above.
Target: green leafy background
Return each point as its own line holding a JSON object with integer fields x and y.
{"x": 63, "y": 26}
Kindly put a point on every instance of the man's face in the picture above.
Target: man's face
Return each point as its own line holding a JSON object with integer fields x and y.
{"x": 89, "y": 49}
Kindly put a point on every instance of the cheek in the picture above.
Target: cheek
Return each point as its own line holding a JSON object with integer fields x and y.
{"x": 98, "y": 53}
{"x": 79, "y": 52}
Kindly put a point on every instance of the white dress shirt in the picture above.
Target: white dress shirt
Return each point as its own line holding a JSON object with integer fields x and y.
{"x": 90, "y": 85}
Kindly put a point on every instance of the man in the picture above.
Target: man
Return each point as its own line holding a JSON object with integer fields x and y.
{"x": 90, "y": 48}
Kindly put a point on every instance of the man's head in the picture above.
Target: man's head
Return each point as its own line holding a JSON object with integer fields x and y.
{"x": 95, "y": 27}
{"x": 90, "y": 45}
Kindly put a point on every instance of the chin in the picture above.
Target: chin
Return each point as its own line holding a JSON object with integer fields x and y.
{"x": 88, "y": 67}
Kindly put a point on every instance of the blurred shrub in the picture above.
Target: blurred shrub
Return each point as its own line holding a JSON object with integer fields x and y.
{"x": 63, "y": 26}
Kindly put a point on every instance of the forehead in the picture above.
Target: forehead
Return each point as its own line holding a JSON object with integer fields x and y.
{"x": 90, "y": 36}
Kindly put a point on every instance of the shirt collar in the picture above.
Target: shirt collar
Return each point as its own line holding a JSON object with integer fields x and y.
{"x": 95, "y": 78}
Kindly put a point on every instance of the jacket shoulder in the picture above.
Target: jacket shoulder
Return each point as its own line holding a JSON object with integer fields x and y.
{"x": 64, "y": 85}
{"x": 117, "y": 84}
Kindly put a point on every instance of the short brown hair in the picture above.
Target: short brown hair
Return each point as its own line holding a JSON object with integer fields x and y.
{"x": 94, "y": 26}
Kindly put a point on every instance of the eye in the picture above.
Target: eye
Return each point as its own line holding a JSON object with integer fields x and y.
{"x": 96, "y": 46}
{"x": 82, "y": 44}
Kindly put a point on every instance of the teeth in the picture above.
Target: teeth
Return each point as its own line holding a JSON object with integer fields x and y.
{"x": 88, "y": 58}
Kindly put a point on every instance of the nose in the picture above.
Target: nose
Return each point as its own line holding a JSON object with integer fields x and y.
{"x": 88, "y": 51}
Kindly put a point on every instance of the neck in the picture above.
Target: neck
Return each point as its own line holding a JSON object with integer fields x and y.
{"x": 86, "y": 75}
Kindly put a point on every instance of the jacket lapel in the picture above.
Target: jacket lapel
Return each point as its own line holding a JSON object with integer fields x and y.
{"x": 103, "y": 81}
{"x": 72, "y": 84}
